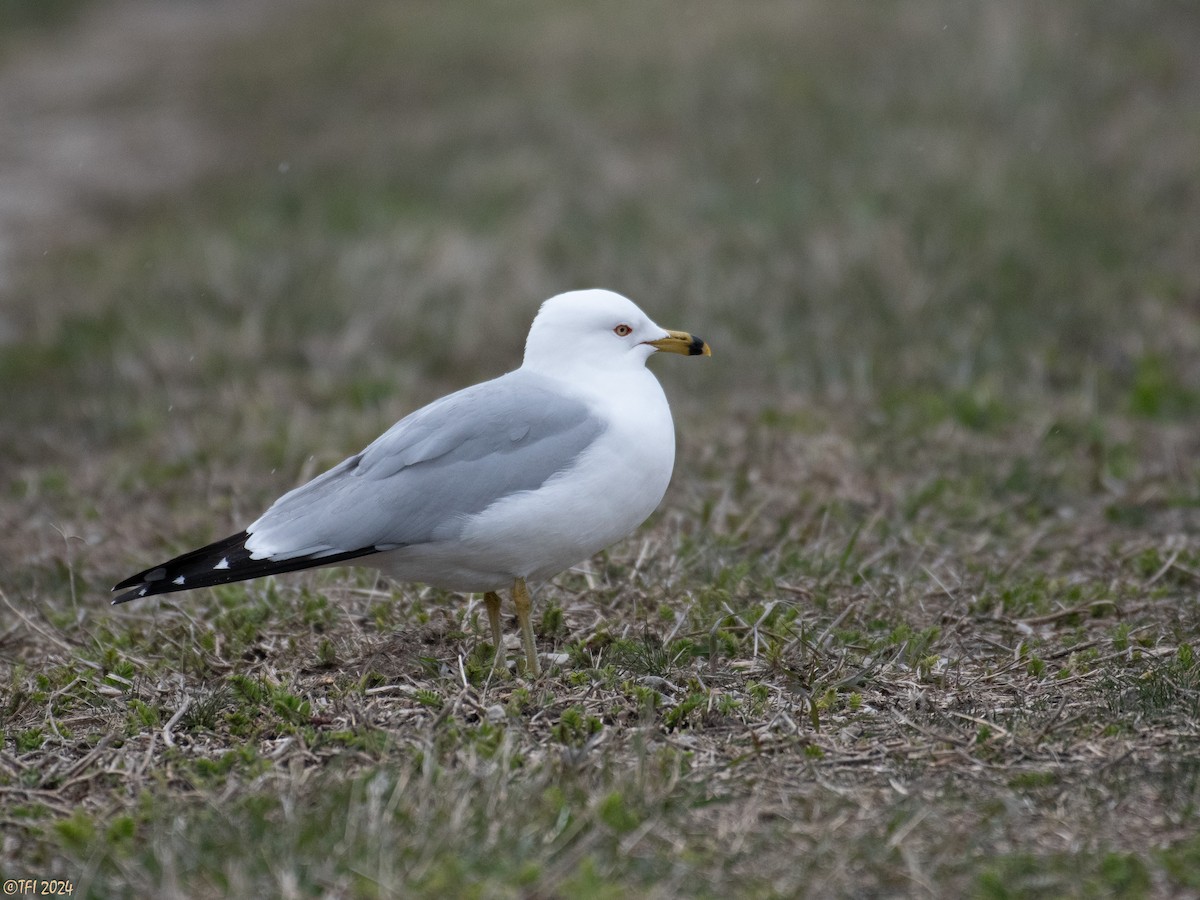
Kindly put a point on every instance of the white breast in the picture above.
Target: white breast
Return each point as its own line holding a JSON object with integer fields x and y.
{"x": 610, "y": 490}
{"x": 613, "y": 487}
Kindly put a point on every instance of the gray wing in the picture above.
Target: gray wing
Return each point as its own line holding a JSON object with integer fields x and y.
{"x": 423, "y": 477}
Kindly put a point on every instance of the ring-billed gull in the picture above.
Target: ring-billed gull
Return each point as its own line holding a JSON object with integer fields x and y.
{"x": 512, "y": 480}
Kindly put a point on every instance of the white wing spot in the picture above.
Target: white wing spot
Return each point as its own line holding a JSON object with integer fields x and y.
{"x": 223, "y": 564}
{"x": 178, "y": 580}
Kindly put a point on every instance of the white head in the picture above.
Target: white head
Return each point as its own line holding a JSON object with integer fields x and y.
{"x": 600, "y": 329}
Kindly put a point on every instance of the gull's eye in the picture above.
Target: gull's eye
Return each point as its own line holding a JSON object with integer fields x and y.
{"x": 622, "y": 330}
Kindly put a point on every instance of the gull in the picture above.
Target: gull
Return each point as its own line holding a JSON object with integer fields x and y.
{"x": 508, "y": 481}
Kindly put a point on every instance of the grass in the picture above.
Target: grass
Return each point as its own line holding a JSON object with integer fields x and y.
{"x": 918, "y": 615}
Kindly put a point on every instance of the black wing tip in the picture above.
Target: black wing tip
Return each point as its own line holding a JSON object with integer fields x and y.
{"x": 129, "y": 595}
{"x": 155, "y": 573}
{"x": 159, "y": 579}
{"x": 222, "y": 562}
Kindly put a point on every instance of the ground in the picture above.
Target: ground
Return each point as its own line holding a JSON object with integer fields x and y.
{"x": 918, "y": 615}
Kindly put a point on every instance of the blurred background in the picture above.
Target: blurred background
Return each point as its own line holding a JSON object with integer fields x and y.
{"x": 263, "y": 230}
{"x": 923, "y": 590}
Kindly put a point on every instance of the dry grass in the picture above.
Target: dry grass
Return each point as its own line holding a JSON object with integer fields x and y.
{"x": 919, "y": 616}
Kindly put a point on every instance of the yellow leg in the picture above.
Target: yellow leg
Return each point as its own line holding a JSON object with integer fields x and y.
{"x": 521, "y": 600}
{"x": 492, "y": 600}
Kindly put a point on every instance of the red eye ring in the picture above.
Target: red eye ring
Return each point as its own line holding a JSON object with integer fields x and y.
{"x": 623, "y": 330}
